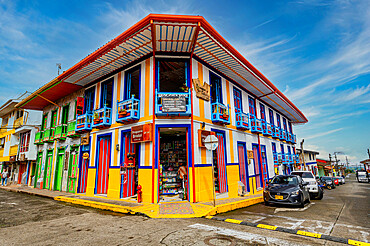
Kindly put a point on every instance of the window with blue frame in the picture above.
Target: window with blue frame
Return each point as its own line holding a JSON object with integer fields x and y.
{"x": 216, "y": 88}
{"x": 271, "y": 114}
{"x": 278, "y": 120}
{"x": 89, "y": 100}
{"x": 252, "y": 106}
{"x": 262, "y": 109}
{"x": 173, "y": 75}
{"x": 106, "y": 94}
{"x": 132, "y": 83}
{"x": 284, "y": 124}
{"x": 290, "y": 127}
{"x": 238, "y": 100}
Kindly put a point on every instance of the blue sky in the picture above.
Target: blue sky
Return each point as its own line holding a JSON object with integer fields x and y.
{"x": 316, "y": 52}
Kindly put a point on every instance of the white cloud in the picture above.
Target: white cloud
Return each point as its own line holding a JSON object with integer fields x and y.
{"x": 321, "y": 134}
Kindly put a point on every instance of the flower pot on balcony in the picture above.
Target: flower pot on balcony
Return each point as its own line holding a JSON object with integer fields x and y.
{"x": 96, "y": 121}
{"x": 225, "y": 116}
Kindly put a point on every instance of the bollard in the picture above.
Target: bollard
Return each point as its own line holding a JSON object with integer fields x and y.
{"x": 139, "y": 193}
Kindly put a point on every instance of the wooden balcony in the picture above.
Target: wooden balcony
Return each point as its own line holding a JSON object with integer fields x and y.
{"x": 220, "y": 113}
{"x": 128, "y": 110}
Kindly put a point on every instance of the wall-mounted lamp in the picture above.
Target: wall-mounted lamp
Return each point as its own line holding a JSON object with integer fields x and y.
{"x": 117, "y": 147}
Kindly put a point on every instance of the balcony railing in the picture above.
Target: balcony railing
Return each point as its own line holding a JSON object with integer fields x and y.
{"x": 220, "y": 113}
{"x": 242, "y": 121}
{"x": 294, "y": 139}
{"x": 84, "y": 122}
{"x": 39, "y": 138}
{"x": 102, "y": 117}
{"x": 49, "y": 134}
{"x": 256, "y": 124}
{"x": 61, "y": 132}
{"x": 276, "y": 159}
{"x": 172, "y": 103}
{"x": 18, "y": 122}
{"x": 283, "y": 135}
{"x": 289, "y": 159}
{"x": 71, "y": 129}
{"x": 266, "y": 128}
{"x": 276, "y": 131}
{"x": 128, "y": 110}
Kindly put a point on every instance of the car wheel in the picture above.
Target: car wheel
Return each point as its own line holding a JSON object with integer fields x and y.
{"x": 301, "y": 205}
{"x": 320, "y": 195}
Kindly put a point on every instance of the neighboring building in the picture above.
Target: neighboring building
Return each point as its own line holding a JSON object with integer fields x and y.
{"x": 143, "y": 105}
{"x": 323, "y": 167}
{"x": 309, "y": 160}
{"x": 366, "y": 164}
{"x": 17, "y": 134}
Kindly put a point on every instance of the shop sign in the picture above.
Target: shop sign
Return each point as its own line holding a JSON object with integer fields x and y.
{"x": 22, "y": 157}
{"x": 142, "y": 133}
{"x": 173, "y": 104}
{"x": 201, "y": 90}
{"x": 202, "y": 135}
{"x": 12, "y": 158}
{"x": 250, "y": 154}
{"x": 85, "y": 140}
{"x": 85, "y": 156}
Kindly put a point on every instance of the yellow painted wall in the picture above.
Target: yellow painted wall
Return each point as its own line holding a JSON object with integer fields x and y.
{"x": 232, "y": 180}
{"x": 90, "y": 188}
{"x": 145, "y": 180}
{"x": 13, "y": 150}
{"x": 203, "y": 183}
{"x": 114, "y": 183}
{"x": 1, "y": 152}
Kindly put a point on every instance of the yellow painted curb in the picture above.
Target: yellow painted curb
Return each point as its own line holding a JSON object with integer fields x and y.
{"x": 354, "y": 242}
{"x": 234, "y": 221}
{"x": 268, "y": 227}
{"x": 309, "y": 234}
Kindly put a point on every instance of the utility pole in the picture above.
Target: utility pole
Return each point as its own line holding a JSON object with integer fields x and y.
{"x": 331, "y": 166}
{"x": 302, "y": 153}
{"x": 368, "y": 152}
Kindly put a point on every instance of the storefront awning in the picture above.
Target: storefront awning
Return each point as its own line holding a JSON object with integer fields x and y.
{"x": 166, "y": 34}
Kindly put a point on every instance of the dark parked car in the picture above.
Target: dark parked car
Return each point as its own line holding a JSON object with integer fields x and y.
{"x": 286, "y": 189}
{"x": 328, "y": 182}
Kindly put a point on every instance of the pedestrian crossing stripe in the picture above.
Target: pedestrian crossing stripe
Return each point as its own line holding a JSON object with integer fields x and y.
{"x": 309, "y": 234}
{"x": 234, "y": 221}
{"x": 269, "y": 227}
{"x": 358, "y": 243}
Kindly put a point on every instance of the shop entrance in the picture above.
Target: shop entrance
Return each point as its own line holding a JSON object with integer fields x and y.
{"x": 103, "y": 163}
{"x": 84, "y": 165}
{"x": 129, "y": 166}
{"x": 48, "y": 166}
{"x": 173, "y": 164}
{"x": 59, "y": 170}
{"x": 72, "y": 170}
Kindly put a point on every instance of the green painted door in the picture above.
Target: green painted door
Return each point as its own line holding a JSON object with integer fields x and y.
{"x": 38, "y": 168}
{"x": 72, "y": 170}
{"x": 59, "y": 170}
{"x": 48, "y": 168}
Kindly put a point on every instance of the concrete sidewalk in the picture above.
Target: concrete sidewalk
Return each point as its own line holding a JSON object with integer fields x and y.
{"x": 182, "y": 209}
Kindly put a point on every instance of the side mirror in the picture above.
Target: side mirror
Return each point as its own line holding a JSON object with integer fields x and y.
{"x": 305, "y": 183}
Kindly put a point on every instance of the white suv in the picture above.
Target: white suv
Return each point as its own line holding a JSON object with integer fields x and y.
{"x": 313, "y": 188}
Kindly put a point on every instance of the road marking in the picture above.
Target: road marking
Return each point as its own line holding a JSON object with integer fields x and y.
{"x": 251, "y": 237}
{"x": 293, "y": 209}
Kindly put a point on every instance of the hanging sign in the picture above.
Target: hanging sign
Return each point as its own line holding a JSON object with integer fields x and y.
{"x": 66, "y": 160}
{"x": 85, "y": 140}
{"x": 85, "y": 156}
{"x": 79, "y": 105}
{"x": 250, "y": 154}
{"x": 202, "y": 134}
{"x": 211, "y": 142}
{"x": 142, "y": 133}
{"x": 201, "y": 90}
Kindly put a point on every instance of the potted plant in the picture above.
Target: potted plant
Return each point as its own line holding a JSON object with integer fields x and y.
{"x": 122, "y": 112}
{"x": 184, "y": 88}
{"x": 225, "y": 116}
{"x": 96, "y": 118}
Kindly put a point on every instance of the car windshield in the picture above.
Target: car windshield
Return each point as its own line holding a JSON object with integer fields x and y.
{"x": 303, "y": 175}
{"x": 326, "y": 178}
{"x": 285, "y": 180}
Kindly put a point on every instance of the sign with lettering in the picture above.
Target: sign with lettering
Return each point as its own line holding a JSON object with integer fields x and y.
{"x": 173, "y": 104}
{"x": 202, "y": 135}
{"x": 201, "y": 89}
{"x": 142, "y": 133}
{"x": 250, "y": 154}
{"x": 85, "y": 140}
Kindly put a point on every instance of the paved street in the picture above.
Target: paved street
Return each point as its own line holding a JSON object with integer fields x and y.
{"x": 26, "y": 220}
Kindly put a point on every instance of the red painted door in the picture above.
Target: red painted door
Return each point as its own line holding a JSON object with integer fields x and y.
{"x": 83, "y": 174}
{"x": 257, "y": 167}
{"x": 128, "y": 175}
{"x": 104, "y": 157}
{"x": 221, "y": 164}
{"x": 243, "y": 165}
